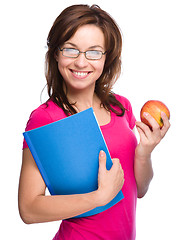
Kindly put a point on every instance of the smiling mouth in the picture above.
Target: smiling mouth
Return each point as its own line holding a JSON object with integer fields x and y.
{"x": 80, "y": 73}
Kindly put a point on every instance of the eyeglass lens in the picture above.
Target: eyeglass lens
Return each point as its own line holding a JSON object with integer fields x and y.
{"x": 73, "y": 53}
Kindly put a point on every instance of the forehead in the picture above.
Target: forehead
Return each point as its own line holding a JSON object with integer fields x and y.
{"x": 87, "y": 36}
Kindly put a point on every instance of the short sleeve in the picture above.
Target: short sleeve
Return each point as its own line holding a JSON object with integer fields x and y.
{"x": 38, "y": 118}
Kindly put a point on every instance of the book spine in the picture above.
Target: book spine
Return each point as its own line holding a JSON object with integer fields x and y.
{"x": 38, "y": 162}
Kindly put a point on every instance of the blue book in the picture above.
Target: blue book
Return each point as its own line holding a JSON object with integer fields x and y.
{"x": 67, "y": 155}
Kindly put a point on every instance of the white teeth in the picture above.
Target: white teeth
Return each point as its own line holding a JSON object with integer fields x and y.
{"x": 82, "y": 74}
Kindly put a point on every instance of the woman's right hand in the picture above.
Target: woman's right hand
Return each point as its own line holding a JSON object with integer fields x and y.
{"x": 110, "y": 182}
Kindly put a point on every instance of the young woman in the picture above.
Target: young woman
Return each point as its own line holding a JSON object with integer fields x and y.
{"x": 82, "y": 63}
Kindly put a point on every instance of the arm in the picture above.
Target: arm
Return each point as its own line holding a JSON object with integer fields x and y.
{"x": 35, "y": 207}
{"x": 149, "y": 139}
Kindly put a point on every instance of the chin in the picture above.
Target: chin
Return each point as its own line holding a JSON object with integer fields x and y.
{"x": 80, "y": 87}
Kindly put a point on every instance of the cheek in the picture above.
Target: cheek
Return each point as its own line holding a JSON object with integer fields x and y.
{"x": 100, "y": 67}
{"x": 62, "y": 65}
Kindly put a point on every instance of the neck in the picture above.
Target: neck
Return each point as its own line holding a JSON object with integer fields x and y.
{"x": 83, "y": 99}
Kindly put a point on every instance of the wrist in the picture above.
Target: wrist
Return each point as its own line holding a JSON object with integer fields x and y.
{"x": 101, "y": 198}
{"x": 142, "y": 154}
{"x": 94, "y": 198}
{"x": 145, "y": 157}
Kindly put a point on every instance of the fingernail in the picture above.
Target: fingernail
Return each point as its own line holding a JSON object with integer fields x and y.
{"x": 146, "y": 114}
{"x": 102, "y": 153}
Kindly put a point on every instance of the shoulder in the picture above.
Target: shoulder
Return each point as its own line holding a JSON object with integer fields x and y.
{"x": 124, "y": 101}
{"x": 44, "y": 114}
{"x": 38, "y": 118}
{"x": 128, "y": 110}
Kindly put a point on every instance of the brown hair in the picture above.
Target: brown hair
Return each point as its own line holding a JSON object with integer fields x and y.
{"x": 64, "y": 27}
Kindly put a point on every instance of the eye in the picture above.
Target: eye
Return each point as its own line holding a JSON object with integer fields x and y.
{"x": 94, "y": 54}
{"x": 70, "y": 52}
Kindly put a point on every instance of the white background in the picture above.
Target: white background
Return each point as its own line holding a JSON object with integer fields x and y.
{"x": 150, "y": 71}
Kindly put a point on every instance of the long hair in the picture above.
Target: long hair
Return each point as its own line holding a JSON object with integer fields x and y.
{"x": 64, "y": 27}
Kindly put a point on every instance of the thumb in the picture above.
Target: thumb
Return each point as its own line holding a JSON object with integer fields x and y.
{"x": 102, "y": 160}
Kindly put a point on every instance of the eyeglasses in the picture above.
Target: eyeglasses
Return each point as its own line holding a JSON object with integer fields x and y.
{"x": 74, "y": 53}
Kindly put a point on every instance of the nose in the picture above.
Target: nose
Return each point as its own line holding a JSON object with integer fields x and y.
{"x": 81, "y": 61}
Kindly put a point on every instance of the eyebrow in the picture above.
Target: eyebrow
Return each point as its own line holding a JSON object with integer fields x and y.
{"x": 74, "y": 45}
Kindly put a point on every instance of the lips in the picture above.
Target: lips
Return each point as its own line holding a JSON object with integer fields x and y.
{"x": 80, "y": 74}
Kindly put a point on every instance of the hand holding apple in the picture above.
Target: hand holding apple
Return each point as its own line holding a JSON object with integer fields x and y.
{"x": 154, "y": 108}
{"x": 153, "y": 126}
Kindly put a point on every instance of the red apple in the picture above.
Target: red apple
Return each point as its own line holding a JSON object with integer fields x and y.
{"x": 154, "y": 108}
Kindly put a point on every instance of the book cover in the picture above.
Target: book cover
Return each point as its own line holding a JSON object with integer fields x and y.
{"x": 67, "y": 155}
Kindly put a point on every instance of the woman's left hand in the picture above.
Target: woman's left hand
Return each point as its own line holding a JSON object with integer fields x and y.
{"x": 150, "y": 138}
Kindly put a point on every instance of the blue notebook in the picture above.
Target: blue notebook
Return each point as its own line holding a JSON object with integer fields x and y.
{"x": 67, "y": 155}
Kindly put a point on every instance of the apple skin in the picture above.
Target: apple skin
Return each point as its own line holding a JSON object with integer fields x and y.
{"x": 154, "y": 108}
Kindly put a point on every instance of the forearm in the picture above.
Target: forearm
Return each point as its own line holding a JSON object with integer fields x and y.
{"x": 54, "y": 208}
{"x": 149, "y": 139}
{"x": 143, "y": 173}
{"x": 35, "y": 207}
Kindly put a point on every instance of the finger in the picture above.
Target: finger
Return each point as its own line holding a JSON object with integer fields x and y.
{"x": 115, "y": 161}
{"x": 141, "y": 133}
{"x": 152, "y": 121}
{"x": 166, "y": 124}
{"x": 143, "y": 130}
{"x": 116, "y": 165}
{"x": 165, "y": 119}
{"x": 102, "y": 160}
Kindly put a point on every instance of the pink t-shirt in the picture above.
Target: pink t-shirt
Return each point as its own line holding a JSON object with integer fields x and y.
{"x": 118, "y": 222}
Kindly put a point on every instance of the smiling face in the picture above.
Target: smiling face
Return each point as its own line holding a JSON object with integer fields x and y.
{"x": 80, "y": 73}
